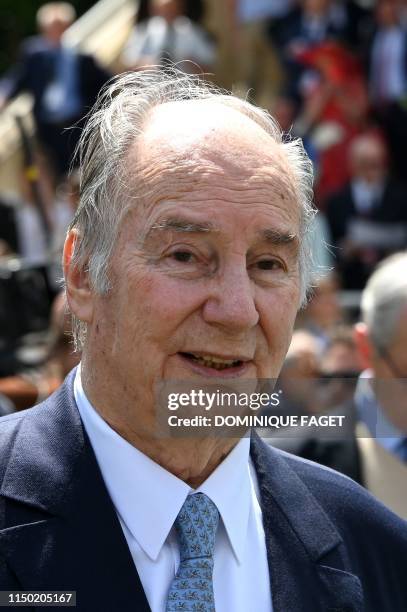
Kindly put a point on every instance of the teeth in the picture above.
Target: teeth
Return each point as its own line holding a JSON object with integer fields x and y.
{"x": 215, "y": 362}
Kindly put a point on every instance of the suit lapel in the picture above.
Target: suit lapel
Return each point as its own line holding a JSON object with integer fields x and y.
{"x": 61, "y": 529}
{"x": 305, "y": 551}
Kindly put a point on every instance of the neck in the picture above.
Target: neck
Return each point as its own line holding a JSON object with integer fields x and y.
{"x": 192, "y": 459}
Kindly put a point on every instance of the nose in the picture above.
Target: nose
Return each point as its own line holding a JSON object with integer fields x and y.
{"x": 231, "y": 303}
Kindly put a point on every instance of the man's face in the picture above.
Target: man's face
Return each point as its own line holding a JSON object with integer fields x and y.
{"x": 390, "y": 370}
{"x": 369, "y": 164}
{"x": 55, "y": 30}
{"x": 204, "y": 272}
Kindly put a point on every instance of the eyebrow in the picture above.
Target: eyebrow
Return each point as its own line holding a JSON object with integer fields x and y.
{"x": 277, "y": 237}
{"x": 178, "y": 224}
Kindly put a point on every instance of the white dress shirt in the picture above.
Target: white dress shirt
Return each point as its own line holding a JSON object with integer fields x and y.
{"x": 188, "y": 42}
{"x": 148, "y": 498}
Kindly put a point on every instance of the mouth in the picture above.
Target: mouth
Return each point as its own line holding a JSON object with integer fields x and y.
{"x": 210, "y": 364}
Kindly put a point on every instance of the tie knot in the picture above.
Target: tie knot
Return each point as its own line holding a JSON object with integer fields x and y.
{"x": 196, "y": 525}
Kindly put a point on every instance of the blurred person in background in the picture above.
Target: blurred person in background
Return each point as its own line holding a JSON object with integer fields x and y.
{"x": 340, "y": 364}
{"x": 334, "y": 111}
{"x": 257, "y": 62}
{"x": 376, "y": 454}
{"x": 402, "y": 10}
{"x": 297, "y": 377}
{"x": 312, "y": 23}
{"x": 169, "y": 36}
{"x": 193, "y": 9}
{"x": 34, "y": 384}
{"x": 64, "y": 84}
{"x": 381, "y": 398}
{"x": 368, "y": 217}
{"x": 341, "y": 357}
{"x": 315, "y": 378}
{"x": 323, "y": 311}
{"x": 302, "y": 357}
{"x": 22, "y": 229}
{"x": 388, "y": 78}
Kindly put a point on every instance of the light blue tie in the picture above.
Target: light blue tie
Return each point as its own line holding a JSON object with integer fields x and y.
{"x": 196, "y": 525}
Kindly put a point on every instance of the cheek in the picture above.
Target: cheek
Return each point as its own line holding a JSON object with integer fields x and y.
{"x": 154, "y": 307}
{"x": 278, "y": 318}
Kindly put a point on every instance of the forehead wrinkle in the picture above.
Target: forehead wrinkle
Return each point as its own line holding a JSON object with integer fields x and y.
{"x": 182, "y": 174}
{"x": 204, "y": 160}
{"x": 191, "y": 183}
{"x": 227, "y": 140}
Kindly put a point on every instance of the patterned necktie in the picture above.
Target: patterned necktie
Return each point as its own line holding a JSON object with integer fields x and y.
{"x": 196, "y": 525}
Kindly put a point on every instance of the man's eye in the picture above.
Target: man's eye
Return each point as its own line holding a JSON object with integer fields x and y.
{"x": 182, "y": 256}
{"x": 268, "y": 264}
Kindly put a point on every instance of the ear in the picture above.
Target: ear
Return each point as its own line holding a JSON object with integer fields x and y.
{"x": 363, "y": 344}
{"x": 79, "y": 294}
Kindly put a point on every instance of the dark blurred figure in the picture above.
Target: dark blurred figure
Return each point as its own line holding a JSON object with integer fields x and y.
{"x": 169, "y": 35}
{"x": 63, "y": 82}
{"x": 334, "y": 111}
{"x": 368, "y": 218}
{"x": 32, "y": 385}
{"x": 376, "y": 454}
{"x": 341, "y": 357}
{"x": 298, "y": 374}
{"x": 315, "y": 379}
{"x": 340, "y": 364}
{"x": 388, "y": 78}
{"x": 312, "y": 23}
{"x": 323, "y": 311}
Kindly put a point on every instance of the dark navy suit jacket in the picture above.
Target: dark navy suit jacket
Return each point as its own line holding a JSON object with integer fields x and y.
{"x": 331, "y": 546}
{"x": 34, "y": 71}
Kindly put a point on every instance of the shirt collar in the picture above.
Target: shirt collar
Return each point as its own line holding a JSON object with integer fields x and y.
{"x": 149, "y": 511}
{"x": 234, "y": 470}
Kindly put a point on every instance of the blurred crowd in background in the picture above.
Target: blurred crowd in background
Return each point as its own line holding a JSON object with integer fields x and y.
{"x": 333, "y": 72}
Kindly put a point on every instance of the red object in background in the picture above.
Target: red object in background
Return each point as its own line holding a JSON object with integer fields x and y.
{"x": 339, "y": 98}
{"x": 335, "y": 62}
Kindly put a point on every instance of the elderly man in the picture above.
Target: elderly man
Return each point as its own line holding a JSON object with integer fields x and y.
{"x": 187, "y": 260}
{"x": 380, "y": 397}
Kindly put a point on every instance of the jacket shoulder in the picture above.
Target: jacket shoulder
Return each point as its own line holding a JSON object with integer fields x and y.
{"x": 352, "y": 508}
{"x": 9, "y": 427}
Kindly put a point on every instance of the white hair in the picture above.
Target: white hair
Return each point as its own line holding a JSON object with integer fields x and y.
{"x": 117, "y": 119}
{"x": 55, "y": 11}
{"x": 384, "y": 298}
